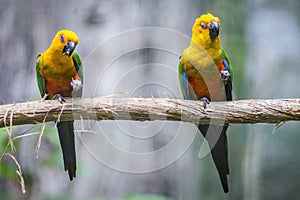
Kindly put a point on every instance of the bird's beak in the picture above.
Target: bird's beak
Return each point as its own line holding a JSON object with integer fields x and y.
{"x": 214, "y": 30}
{"x": 69, "y": 48}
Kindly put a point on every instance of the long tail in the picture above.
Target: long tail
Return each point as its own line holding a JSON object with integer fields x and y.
{"x": 217, "y": 141}
{"x": 66, "y": 137}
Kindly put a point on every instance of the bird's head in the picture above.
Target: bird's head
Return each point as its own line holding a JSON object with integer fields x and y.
{"x": 206, "y": 29}
{"x": 65, "y": 41}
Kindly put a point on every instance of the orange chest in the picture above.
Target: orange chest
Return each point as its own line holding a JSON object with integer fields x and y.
{"x": 210, "y": 87}
{"x": 58, "y": 74}
{"x": 205, "y": 80}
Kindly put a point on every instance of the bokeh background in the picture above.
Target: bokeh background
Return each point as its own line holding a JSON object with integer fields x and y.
{"x": 262, "y": 40}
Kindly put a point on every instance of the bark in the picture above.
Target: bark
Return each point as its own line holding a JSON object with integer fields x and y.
{"x": 144, "y": 109}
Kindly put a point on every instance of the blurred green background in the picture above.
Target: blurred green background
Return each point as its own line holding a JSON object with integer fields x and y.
{"x": 262, "y": 40}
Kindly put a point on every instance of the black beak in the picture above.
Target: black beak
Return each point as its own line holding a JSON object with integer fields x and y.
{"x": 69, "y": 48}
{"x": 214, "y": 30}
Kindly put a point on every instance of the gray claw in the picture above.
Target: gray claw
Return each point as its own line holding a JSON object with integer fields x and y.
{"x": 205, "y": 101}
{"x": 59, "y": 98}
{"x": 76, "y": 84}
{"x": 225, "y": 75}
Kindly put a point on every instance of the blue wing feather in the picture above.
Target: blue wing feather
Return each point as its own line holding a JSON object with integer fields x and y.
{"x": 226, "y": 65}
{"x": 226, "y": 62}
{"x": 185, "y": 83}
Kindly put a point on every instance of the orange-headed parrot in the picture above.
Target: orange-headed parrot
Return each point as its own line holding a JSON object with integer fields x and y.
{"x": 205, "y": 74}
{"x": 59, "y": 74}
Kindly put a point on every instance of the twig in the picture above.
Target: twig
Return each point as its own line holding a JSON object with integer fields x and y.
{"x": 38, "y": 145}
{"x": 9, "y": 129}
{"x": 18, "y": 171}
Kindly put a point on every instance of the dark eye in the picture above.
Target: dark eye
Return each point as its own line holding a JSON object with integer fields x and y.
{"x": 203, "y": 25}
{"x": 62, "y": 38}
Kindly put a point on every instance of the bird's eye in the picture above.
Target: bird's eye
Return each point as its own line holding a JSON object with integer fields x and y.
{"x": 62, "y": 38}
{"x": 203, "y": 25}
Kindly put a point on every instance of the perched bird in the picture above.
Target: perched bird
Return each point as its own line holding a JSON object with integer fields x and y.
{"x": 59, "y": 74}
{"x": 205, "y": 74}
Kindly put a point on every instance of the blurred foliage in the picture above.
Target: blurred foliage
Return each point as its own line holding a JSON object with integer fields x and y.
{"x": 7, "y": 166}
{"x": 64, "y": 197}
{"x": 51, "y": 137}
{"x": 133, "y": 196}
{"x": 145, "y": 197}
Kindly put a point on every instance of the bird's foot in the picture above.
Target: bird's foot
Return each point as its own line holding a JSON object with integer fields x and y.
{"x": 205, "y": 101}
{"x": 76, "y": 84}
{"x": 59, "y": 98}
{"x": 225, "y": 75}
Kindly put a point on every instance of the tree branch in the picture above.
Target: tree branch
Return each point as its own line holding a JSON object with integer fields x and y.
{"x": 143, "y": 109}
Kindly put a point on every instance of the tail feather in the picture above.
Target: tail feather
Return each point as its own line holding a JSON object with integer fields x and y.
{"x": 66, "y": 137}
{"x": 219, "y": 150}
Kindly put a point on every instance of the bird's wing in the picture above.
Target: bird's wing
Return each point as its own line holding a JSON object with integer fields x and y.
{"x": 228, "y": 85}
{"x": 40, "y": 79}
{"x": 79, "y": 69}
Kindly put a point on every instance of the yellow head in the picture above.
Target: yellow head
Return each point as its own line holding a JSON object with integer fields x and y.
{"x": 206, "y": 30}
{"x": 65, "y": 41}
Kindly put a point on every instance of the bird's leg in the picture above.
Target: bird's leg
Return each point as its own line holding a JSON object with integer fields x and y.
{"x": 76, "y": 84}
{"x": 59, "y": 98}
{"x": 205, "y": 101}
{"x": 45, "y": 97}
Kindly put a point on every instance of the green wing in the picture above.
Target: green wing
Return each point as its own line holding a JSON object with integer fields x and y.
{"x": 40, "y": 79}
{"x": 226, "y": 62}
{"x": 183, "y": 80}
{"x": 79, "y": 69}
{"x": 78, "y": 64}
{"x": 228, "y": 85}
{"x": 187, "y": 91}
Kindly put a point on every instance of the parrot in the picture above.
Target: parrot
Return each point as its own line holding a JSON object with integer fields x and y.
{"x": 59, "y": 74}
{"x": 205, "y": 74}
